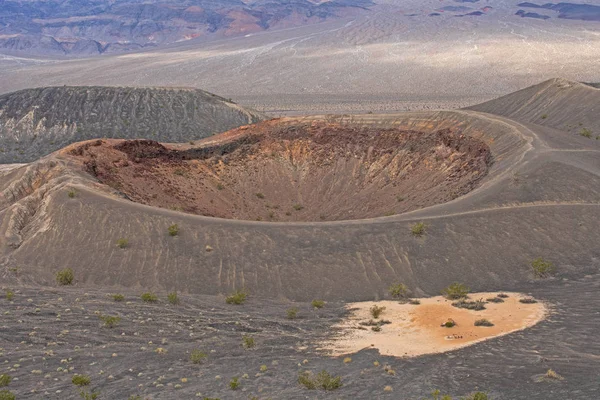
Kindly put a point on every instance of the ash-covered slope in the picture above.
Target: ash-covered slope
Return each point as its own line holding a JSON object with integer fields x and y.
{"x": 557, "y": 103}
{"x": 36, "y": 122}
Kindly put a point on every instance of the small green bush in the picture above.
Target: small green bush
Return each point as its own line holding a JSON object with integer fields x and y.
{"x": 81, "y": 380}
{"x": 476, "y": 305}
{"x": 544, "y": 116}
{"x": 149, "y": 297}
{"x": 110, "y": 321}
{"x": 260, "y": 195}
{"x": 323, "y": 380}
{"x": 122, "y": 243}
{"x": 456, "y": 291}
{"x": 197, "y": 356}
{"x": 376, "y": 311}
{"x": 317, "y": 303}
{"x": 173, "y": 298}
{"x": 88, "y": 395}
{"x": 10, "y": 295}
{"x": 234, "y": 383}
{"x": 220, "y": 186}
{"x": 72, "y": 193}
{"x": 238, "y": 297}
{"x": 376, "y": 328}
{"x": 418, "y": 229}
{"x": 586, "y": 133}
{"x": 179, "y": 172}
{"x": 174, "y": 230}
{"x": 398, "y": 291}
{"x": 248, "y": 342}
{"x": 495, "y": 300}
{"x": 528, "y": 300}
{"x": 477, "y": 396}
{"x": 5, "y": 380}
{"x": 65, "y": 276}
{"x": 6, "y": 395}
{"x": 298, "y": 207}
{"x": 118, "y": 297}
{"x": 449, "y": 324}
{"x": 292, "y": 313}
{"x": 414, "y": 302}
{"x": 483, "y": 322}
{"x": 542, "y": 268}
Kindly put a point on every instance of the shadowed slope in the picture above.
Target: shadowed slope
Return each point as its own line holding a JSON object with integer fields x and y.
{"x": 557, "y": 103}
{"x": 36, "y": 122}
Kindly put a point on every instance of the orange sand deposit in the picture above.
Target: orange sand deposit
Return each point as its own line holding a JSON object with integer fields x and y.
{"x": 417, "y": 330}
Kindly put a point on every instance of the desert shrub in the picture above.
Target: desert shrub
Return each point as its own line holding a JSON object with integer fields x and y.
{"x": 248, "y": 342}
{"x": 456, "y": 291}
{"x": 502, "y": 296}
{"x": 179, "y": 172}
{"x": 81, "y": 380}
{"x": 260, "y": 195}
{"x": 6, "y": 395}
{"x": 135, "y": 396}
{"x": 173, "y": 298}
{"x": 476, "y": 305}
{"x": 414, "y": 302}
{"x": 220, "y": 186}
{"x": 586, "y": 133}
{"x": 376, "y": 328}
{"x": 298, "y": 207}
{"x": 149, "y": 297}
{"x": 238, "y": 297}
{"x": 197, "y": 356}
{"x": 88, "y": 395}
{"x": 398, "y": 291}
{"x": 528, "y": 300}
{"x": 372, "y": 322}
{"x": 418, "y": 229}
{"x": 10, "y": 295}
{"x": 323, "y": 380}
{"x": 72, "y": 193}
{"x": 292, "y": 313}
{"x": 449, "y": 324}
{"x": 317, "y": 303}
{"x": 483, "y": 322}
{"x": 495, "y": 300}
{"x": 118, "y": 297}
{"x": 376, "y": 311}
{"x": 110, "y": 321}
{"x": 234, "y": 383}
{"x": 477, "y": 396}
{"x": 174, "y": 230}
{"x": 551, "y": 374}
{"x": 65, "y": 276}
{"x": 542, "y": 268}
{"x": 122, "y": 243}
{"x": 5, "y": 380}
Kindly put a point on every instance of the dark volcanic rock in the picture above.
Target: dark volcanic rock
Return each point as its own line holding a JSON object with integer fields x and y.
{"x": 584, "y": 12}
{"x": 36, "y": 122}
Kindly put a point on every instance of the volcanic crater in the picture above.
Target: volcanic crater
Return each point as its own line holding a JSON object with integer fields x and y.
{"x": 283, "y": 171}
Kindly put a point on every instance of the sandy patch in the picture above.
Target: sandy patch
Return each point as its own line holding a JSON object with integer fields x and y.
{"x": 416, "y": 329}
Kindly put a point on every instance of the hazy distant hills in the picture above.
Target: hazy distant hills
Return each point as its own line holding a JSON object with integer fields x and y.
{"x": 60, "y": 27}
{"x": 36, "y": 122}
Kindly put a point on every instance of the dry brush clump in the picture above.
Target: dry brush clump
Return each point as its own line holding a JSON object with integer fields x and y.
{"x": 65, "y": 277}
{"x": 399, "y": 291}
{"x": 323, "y": 380}
{"x": 238, "y": 297}
{"x": 456, "y": 291}
{"x": 542, "y": 268}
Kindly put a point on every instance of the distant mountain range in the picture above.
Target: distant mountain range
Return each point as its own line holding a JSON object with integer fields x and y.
{"x": 89, "y": 27}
